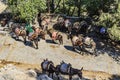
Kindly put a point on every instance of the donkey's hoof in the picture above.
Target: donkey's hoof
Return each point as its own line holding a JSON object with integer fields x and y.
{"x": 73, "y": 49}
{"x": 36, "y": 47}
{"x": 81, "y": 53}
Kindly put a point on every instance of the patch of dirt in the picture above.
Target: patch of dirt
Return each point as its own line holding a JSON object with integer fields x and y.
{"x": 86, "y": 73}
{"x": 20, "y": 65}
{"x": 54, "y": 46}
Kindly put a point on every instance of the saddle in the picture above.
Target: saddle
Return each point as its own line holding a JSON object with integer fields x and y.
{"x": 17, "y": 31}
{"x": 33, "y": 36}
{"x": 54, "y": 35}
{"x": 75, "y": 39}
{"x": 65, "y": 68}
{"x": 88, "y": 42}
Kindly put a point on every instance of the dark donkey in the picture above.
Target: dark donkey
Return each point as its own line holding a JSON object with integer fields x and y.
{"x": 65, "y": 25}
{"x": 66, "y": 69}
{"x": 48, "y": 66}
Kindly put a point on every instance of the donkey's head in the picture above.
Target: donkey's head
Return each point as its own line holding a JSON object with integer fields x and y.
{"x": 80, "y": 73}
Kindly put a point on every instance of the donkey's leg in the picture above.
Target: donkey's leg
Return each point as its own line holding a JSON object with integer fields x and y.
{"x": 49, "y": 74}
{"x": 73, "y": 47}
{"x": 39, "y": 38}
{"x": 70, "y": 77}
{"x": 57, "y": 74}
{"x": 24, "y": 37}
{"x": 61, "y": 41}
{"x": 36, "y": 43}
{"x": 52, "y": 75}
{"x": 17, "y": 37}
{"x": 80, "y": 47}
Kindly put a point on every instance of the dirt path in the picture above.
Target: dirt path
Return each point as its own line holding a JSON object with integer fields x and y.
{"x": 100, "y": 67}
{"x": 86, "y": 73}
{"x": 24, "y": 56}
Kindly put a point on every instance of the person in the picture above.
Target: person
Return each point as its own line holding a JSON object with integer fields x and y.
{"x": 102, "y": 30}
{"x": 29, "y": 29}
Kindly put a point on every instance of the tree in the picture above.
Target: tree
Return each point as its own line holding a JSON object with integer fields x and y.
{"x": 111, "y": 20}
{"x": 26, "y": 9}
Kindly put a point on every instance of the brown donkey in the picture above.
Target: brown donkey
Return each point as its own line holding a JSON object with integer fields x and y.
{"x": 19, "y": 31}
{"x": 55, "y": 36}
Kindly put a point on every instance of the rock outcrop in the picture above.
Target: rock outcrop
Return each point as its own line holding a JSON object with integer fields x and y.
{"x": 10, "y": 72}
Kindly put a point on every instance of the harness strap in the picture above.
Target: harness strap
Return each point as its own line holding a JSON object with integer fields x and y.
{"x": 68, "y": 70}
{"x": 48, "y": 66}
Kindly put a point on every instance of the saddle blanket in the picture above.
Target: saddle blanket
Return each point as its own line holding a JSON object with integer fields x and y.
{"x": 17, "y": 31}
{"x": 54, "y": 35}
{"x": 64, "y": 67}
{"x": 87, "y": 40}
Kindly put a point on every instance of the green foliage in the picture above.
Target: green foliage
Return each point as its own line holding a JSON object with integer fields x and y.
{"x": 114, "y": 33}
{"x": 27, "y": 9}
{"x": 112, "y": 22}
{"x": 106, "y": 11}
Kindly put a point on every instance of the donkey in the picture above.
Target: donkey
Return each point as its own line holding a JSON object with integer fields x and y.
{"x": 44, "y": 23}
{"x": 19, "y": 31}
{"x": 48, "y": 66}
{"x": 65, "y": 25}
{"x": 40, "y": 32}
{"x": 55, "y": 36}
{"x": 76, "y": 41}
{"x": 66, "y": 69}
{"x": 89, "y": 45}
{"x": 34, "y": 39}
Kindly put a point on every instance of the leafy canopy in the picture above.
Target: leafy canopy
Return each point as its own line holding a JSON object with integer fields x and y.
{"x": 26, "y": 9}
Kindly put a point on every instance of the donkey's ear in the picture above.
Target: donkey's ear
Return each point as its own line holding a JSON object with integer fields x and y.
{"x": 81, "y": 69}
{"x": 61, "y": 62}
{"x": 69, "y": 64}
